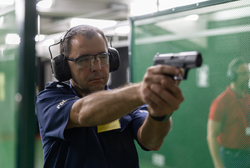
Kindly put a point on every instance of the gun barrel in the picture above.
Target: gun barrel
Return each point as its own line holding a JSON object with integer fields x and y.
{"x": 189, "y": 59}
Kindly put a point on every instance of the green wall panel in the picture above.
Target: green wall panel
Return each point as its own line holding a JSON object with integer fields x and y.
{"x": 221, "y": 34}
{"x": 8, "y": 89}
{"x": 7, "y": 153}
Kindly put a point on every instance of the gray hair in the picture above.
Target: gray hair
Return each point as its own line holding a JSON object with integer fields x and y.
{"x": 83, "y": 30}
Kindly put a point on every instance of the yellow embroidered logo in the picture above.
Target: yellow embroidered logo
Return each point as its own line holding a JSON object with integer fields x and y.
{"x": 60, "y": 104}
{"x": 63, "y": 101}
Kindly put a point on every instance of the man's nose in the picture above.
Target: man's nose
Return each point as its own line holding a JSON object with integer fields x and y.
{"x": 95, "y": 64}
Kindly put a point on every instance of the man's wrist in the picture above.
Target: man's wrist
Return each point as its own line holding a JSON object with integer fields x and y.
{"x": 162, "y": 118}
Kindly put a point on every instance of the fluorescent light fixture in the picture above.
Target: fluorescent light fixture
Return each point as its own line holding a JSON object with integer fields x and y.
{"x": 192, "y": 17}
{"x": 46, "y": 4}
{"x": 101, "y": 24}
{"x": 39, "y": 37}
{"x": 7, "y": 2}
{"x": 122, "y": 30}
{"x": 12, "y": 39}
{"x": 143, "y": 7}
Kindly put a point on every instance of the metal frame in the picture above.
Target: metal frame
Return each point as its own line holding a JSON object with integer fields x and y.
{"x": 26, "y": 16}
{"x": 165, "y": 13}
{"x": 181, "y": 9}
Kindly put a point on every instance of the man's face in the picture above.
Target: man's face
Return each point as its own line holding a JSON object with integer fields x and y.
{"x": 243, "y": 76}
{"x": 88, "y": 80}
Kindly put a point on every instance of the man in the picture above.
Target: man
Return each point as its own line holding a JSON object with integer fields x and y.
{"x": 228, "y": 131}
{"x": 86, "y": 125}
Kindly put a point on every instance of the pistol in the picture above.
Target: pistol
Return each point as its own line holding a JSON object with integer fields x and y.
{"x": 185, "y": 60}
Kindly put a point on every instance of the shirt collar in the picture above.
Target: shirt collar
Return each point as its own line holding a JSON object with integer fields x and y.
{"x": 75, "y": 92}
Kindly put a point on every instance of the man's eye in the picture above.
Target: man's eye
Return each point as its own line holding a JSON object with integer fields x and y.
{"x": 103, "y": 56}
{"x": 86, "y": 59}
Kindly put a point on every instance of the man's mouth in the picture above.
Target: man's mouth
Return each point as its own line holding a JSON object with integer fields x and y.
{"x": 96, "y": 79}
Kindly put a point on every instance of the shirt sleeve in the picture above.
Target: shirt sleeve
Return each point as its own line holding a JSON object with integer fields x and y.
{"x": 53, "y": 109}
{"x": 138, "y": 117}
{"x": 217, "y": 110}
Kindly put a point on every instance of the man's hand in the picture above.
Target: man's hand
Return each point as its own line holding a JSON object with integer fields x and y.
{"x": 160, "y": 91}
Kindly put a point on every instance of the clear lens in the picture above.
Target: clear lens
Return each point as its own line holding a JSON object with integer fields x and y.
{"x": 88, "y": 61}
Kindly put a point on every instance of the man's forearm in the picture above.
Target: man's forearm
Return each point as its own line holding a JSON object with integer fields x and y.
{"x": 215, "y": 152}
{"x": 106, "y": 106}
{"x": 152, "y": 133}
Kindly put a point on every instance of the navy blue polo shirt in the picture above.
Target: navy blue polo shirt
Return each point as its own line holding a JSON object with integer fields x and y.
{"x": 83, "y": 147}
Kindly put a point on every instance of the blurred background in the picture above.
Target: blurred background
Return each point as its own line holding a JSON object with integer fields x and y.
{"x": 219, "y": 29}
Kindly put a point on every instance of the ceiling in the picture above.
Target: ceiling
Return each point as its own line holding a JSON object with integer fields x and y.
{"x": 57, "y": 18}
{"x": 55, "y": 21}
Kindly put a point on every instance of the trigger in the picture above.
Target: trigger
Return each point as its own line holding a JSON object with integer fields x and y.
{"x": 185, "y": 73}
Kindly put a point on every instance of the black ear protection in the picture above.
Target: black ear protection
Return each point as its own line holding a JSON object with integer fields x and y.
{"x": 60, "y": 67}
{"x": 231, "y": 73}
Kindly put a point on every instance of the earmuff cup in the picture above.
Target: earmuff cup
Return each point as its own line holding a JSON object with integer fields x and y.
{"x": 60, "y": 68}
{"x": 61, "y": 71}
{"x": 114, "y": 59}
{"x": 231, "y": 73}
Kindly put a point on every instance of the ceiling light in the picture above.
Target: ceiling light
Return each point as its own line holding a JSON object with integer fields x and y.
{"x": 7, "y": 2}
{"x": 122, "y": 30}
{"x": 192, "y": 17}
{"x": 101, "y": 24}
{"x": 44, "y": 4}
{"x": 39, "y": 37}
{"x": 12, "y": 39}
